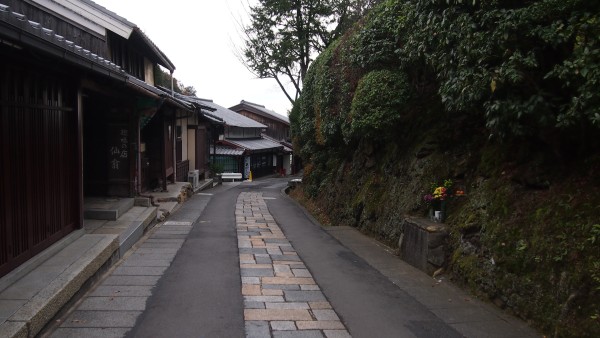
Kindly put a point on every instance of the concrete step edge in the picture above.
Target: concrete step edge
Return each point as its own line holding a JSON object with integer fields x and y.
{"x": 38, "y": 311}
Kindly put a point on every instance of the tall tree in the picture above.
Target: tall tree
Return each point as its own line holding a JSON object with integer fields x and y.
{"x": 285, "y": 36}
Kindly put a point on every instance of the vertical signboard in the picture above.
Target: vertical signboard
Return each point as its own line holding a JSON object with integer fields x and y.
{"x": 246, "y": 166}
{"x": 118, "y": 159}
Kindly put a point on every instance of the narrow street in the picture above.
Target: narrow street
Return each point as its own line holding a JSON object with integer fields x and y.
{"x": 244, "y": 260}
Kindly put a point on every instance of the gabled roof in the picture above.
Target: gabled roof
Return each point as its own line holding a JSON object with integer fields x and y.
{"x": 226, "y": 150}
{"x": 230, "y": 117}
{"x": 260, "y": 110}
{"x": 31, "y": 33}
{"x": 255, "y": 144}
{"x": 90, "y": 15}
{"x": 287, "y": 147}
{"x": 98, "y": 19}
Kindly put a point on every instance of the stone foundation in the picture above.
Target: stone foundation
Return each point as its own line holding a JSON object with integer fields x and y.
{"x": 422, "y": 243}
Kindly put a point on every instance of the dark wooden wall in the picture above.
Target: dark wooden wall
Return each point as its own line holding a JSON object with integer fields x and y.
{"x": 39, "y": 180}
{"x": 275, "y": 129}
{"x": 80, "y": 36}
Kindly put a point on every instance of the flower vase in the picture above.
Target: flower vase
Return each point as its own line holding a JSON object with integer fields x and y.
{"x": 437, "y": 212}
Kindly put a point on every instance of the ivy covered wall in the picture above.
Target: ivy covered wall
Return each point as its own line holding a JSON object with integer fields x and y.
{"x": 499, "y": 96}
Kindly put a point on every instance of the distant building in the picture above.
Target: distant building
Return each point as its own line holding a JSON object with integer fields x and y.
{"x": 278, "y": 129}
{"x": 243, "y": 145}
{"x": 278, "y": 126}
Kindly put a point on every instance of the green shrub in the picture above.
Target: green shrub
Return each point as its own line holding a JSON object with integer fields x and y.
{"x": 378, "y": 103}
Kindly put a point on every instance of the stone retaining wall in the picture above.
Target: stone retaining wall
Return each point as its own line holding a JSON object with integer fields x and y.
{"x": 422, "y": 243}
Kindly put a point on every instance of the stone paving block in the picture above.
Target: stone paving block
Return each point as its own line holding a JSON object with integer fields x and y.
{"x": 309, "y": 288}
{"x": 277, "y": 240}
{"x": 319, "y": 305}
{"x": 113, "y": 304}
{"x": 320, "y": 325}
{"x": 277, "y": 314}
{"x": 246, "y": 257}
{"x": 256, "y": 266}
{"x": 90, "y": 332}
{"x": 244, "y": 244}
{"x": 253, "y": 251}
{"x": 264, "y": 298}
{"x": 301, "y": 273}
{"x": 250, "y": 280}
{"x": 139, "y": 271}
{"x": 288, "y": 305}
{"x": 123, "y": 319}
{"x": 293, "y": 287}
{"x": 325, "y": 315}
{"x": 254, "y": 305}
{"x": 284, "y": 271}
{"x": 131, "y": 280}
{"x": 257, "y": 329}
{"x": 337, "y": 334}
{"x": 263, "y": 260}
{"x": 304, "y": 296}
{"x": 274, "y": 251}
{"x": 298, "y": 334}
{"x": 122, "y": 291}
{"x": 272, "y": 292}
{"x": 257, "y": 243}
{"x": 256, "y": 272}
{"x": 251, "y": 290}
{"x": 283, "y": 325}
{"x": 284, "y": 280}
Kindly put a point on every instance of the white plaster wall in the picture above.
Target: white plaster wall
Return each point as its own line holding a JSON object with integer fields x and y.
{"x": 148, "y": 72}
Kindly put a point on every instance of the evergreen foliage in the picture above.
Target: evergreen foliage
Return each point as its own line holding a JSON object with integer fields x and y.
{"x": 499, "y": 95}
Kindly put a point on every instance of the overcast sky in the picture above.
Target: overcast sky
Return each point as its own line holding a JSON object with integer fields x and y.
{"x": 200, "y": 37}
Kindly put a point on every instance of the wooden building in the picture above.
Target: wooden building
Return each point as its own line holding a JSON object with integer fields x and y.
{"x": 278, "y": 126}
{"x": 242, "y": 146}
{"x": 79, "y": 117}
{"x": 277, "y": 129}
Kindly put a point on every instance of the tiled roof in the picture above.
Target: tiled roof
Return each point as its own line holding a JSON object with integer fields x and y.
{"x": 230, "y": 117}
{"x": 227, "y": 151}
{"x": 162, "y": 59}
{"x": 255, "y": 144}
{"x": 45, "y": 38}
{"x": 260, "y": 110}
{"x": 287, "y": 147}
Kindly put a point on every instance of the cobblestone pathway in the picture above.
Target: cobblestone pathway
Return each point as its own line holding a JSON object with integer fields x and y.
{"x": 281, "y": 299}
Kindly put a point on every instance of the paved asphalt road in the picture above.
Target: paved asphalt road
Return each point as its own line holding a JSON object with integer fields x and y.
{"x": 200, "y": 296}
{"x": 201, "y": 292}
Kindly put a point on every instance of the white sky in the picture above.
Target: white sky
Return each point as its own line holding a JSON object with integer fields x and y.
{"x": 200, "y": 37}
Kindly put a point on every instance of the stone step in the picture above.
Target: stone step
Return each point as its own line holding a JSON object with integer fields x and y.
{"x": 109, "y": 209}
{"x": 33, "y": 300}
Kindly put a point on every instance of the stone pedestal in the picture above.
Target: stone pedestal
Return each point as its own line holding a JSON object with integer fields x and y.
{"x": 422, "y": 243}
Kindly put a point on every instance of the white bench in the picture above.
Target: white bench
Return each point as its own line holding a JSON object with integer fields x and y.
{"x": 231, "y": 176}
